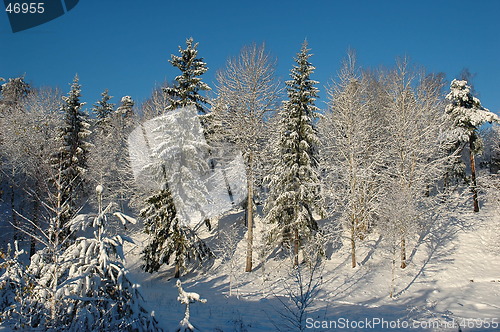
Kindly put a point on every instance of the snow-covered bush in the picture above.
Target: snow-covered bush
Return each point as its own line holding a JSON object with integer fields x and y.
{"x": 187, "y": 298}
{"x": 12, "y": 281}
{"x": 83, "y": 287}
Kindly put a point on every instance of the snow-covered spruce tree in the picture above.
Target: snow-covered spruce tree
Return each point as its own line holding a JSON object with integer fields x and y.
{"x": 186, "y": 90}
{"x": 248, "y": 94}
{"x": 37, "y": 310}
{"x": 181, "y": 151}
{"x": 70, "y": 160}
{"x": 103, "y": 109}
{"x": 83, "y": 287}
{"x": 126, "y": 109}
{"x": 14, "y": 283}
{"x": 99, "y": 294}
{"x": 294, "y": 183}
{"x": 169, "y": 240}
{"x": 179, "y": 163}
{"x": 103, "y": 156}
{"x": 468, "y": 115}
{"x": 12, "y": 92}
{"x": 350, "y": 153}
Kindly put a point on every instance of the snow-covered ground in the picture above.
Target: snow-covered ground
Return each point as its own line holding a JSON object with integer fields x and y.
{"x": 453, "y": 278}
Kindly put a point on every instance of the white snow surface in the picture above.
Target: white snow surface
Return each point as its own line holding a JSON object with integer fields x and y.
{"x": 453, "y": 278}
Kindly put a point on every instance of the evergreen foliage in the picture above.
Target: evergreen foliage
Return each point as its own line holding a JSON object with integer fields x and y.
{"x": 467, "y": 115}
{"x": 179, "y": 160}
{"x": 13, "y": 280}
{"x": 126, "y": 108}
{"x": 83, "y": 287}
{"x": 71, "y": 159}
{"x": 168, "y": 238}
{"x": 186, "y": 90}
{"x": 103, "y": 109}
{"x": 294, "y": 183}
{"x": 12, "y": 93}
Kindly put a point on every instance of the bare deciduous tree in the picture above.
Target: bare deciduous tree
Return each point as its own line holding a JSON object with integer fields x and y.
{"x": 352, "y": 153}
{"x": 248, "y": 94}
{"x": 415, "y": 126}
{"x": 29, "y": 133}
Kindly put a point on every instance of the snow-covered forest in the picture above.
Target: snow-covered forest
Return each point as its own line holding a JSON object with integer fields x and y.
{"x": 249, "y": 205}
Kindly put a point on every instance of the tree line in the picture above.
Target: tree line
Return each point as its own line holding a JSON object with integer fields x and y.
{"x": 383, "y": 157}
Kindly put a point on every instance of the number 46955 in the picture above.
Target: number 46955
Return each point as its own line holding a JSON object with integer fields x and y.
{"x": 25, "y": 8}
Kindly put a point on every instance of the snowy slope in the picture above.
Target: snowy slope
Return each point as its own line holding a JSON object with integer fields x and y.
{"x": 453, "y": 278}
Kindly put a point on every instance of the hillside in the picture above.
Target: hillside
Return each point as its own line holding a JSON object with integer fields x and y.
{"x": 453, "y": 277}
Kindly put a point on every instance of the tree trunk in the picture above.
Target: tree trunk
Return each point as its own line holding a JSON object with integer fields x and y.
{"x": 473, "y": 177}
{"x": 177, "y": 270}
{"x": 36, "y": 210}
{"x": 296, "y": 246}
{"x": 393, "y": 271}
{"x": 353, "y": 249}
{"x": 12, "y": 210}
{"x": 249, "y": 215}
{"x": 403, "y": 253}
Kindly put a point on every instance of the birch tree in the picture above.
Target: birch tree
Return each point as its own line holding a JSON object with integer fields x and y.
{"x": 415, "y": 160}
{"x": 248, "y": 95}
{"x": 351, "y": 152}
{"x": 29, "y": 139}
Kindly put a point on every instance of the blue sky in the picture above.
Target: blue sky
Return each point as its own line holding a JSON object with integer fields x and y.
{"x": 124, "y": 45}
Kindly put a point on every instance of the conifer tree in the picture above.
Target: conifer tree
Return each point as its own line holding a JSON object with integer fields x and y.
{"x": 188, "y": 85}
{"x": 71, "y": 159}
{"x": 12, "y": 93}
{"x": 468, "y": 115}
{"x": 179, "y": 161}
{"x": 294, "y": 185}
{"x": 103, "y": 109}
{"x": 168, "y": 238}
{"x": 83, "y": 287}
{"x": 126, "y": 108}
